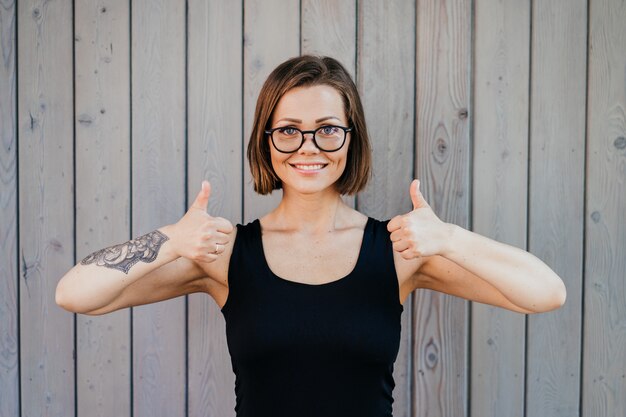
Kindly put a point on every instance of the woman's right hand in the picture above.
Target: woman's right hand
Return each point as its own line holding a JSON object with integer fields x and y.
{"x": 197, "y": 235}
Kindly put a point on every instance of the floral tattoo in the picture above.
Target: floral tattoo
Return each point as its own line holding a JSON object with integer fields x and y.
{"x": 123, "y": 256}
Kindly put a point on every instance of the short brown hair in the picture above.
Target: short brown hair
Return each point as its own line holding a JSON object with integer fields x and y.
{"x": 306, "y": 71}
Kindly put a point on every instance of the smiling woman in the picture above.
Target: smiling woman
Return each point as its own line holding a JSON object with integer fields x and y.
{"x": 283, "y": 102}
{"x": 307, "y": 167}
{"x": 312, "y": 293}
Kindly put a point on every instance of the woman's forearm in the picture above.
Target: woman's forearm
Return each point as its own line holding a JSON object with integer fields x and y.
{"x": 101, "y": 276}
{"x": 519, "y": 275}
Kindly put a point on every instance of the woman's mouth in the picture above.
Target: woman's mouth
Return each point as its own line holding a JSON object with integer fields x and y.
{"x": 309, "y": 168}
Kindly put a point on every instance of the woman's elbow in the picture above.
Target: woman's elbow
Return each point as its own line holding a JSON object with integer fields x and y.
{"x": 64, "y": 299}
{"x": 555, "y": 298}
{"x": 560, "y": 295}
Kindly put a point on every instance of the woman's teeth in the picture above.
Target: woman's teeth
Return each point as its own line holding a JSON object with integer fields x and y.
{"x": 309, "y": 167}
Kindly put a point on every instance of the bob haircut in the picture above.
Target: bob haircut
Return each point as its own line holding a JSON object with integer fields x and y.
{"x": 308, "y": 71}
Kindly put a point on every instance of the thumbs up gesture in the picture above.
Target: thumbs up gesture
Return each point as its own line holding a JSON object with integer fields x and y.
{"x": 199, "y": 236}
{"x": 419, "y": 232}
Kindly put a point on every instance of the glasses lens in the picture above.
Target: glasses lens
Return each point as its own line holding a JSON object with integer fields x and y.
{"x": 287, "y": 139}
{"x": 329, "y": 138}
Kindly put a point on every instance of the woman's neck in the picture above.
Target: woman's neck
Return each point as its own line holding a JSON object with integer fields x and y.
{"x": 311, "y": 213}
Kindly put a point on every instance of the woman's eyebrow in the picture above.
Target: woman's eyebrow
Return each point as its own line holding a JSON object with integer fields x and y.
{"x": 289, "y": 119}
{"x": 326, "y": 118}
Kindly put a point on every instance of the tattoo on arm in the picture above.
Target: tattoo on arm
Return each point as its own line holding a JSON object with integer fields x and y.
{"x": 123, "y": 256}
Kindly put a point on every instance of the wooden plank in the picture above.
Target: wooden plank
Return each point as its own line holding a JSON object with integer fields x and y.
{"x": 500, "y": 163}
{"x": 604, "y": 361}
{"x": 329, "y": 28}
{"x": 214, "y": 153}
{"x": 102, "y": 194}
{"x": 387, "y": 64}
{"x": 158, "y": 184}
{"x": 442, "y": 165}
{"x": 45, "y": 129}
{"x": 557, "y": 148}
{"x": 9, "y": 359}
{"x": 271, "y": 36}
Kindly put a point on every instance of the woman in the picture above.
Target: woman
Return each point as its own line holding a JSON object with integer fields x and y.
{"x": 312, "y": 292}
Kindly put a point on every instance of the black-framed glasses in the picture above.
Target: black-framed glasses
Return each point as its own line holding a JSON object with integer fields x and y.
{"x": 327, "y": 138}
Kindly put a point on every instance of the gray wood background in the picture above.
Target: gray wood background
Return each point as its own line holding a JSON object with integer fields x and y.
{"x": 512, "y": 114}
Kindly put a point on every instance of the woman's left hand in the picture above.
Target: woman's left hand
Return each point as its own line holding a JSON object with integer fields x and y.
{"x": 419, "y": 232}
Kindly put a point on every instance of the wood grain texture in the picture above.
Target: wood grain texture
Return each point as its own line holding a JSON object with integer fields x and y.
{"x": 9, "y": 331}
{"x": 102, "y": 81}
{"x": 500, "y": 176}
{"x": 557, "y": 151}
{"x": 329, "y": 28}
{"x": 442, "y": 165}
{"x": 271, "y": 36}
{"x": 45, "y": 130}
{"x": 604, "y": 361}
{"x": 387, "y": 64}
{"x": 214, "y": 153}
{"x": 158, "y": 195}
{"x": 232, "y": 47}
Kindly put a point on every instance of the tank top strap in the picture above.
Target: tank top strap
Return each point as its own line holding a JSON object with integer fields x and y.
{"x": 380, "y": 262}
{"x": 245, "y": 261}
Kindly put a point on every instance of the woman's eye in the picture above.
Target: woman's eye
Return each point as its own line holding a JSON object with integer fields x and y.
{"x": 289, "y": 131}
{"x": 329, "y": 130}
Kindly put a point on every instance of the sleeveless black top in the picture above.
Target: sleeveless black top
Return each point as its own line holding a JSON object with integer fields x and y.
{"x": 300, "y": 350}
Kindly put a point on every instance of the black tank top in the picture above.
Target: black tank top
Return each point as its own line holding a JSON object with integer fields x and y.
{"x": 300, "y": 350}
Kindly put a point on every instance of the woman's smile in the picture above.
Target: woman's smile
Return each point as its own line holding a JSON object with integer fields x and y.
{"x": 308, "y": 168}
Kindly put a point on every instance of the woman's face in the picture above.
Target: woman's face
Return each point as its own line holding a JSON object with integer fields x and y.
{"x": 309, "y": 170}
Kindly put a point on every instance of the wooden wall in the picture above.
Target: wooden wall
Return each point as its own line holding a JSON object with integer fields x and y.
{"x": 512, "y": 114}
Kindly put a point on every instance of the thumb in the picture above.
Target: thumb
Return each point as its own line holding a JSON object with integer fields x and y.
{"x": 202, "y": 199}
{"x": 416, "y": 195}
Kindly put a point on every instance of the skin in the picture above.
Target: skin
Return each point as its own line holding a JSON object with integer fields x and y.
{"x": 313, "y": 237}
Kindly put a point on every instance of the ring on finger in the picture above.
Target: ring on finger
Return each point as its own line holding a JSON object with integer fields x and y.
{"x": 217, "y": 249}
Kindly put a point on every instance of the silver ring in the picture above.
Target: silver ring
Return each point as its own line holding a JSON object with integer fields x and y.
{"x": 217, "y": 249}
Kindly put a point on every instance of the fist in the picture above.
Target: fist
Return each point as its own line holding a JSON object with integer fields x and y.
{"x": 199, "y": 236}
{"x": 419, "y": 232}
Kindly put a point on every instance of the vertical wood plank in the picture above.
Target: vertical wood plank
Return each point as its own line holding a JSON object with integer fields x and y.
{"x": 102, "y": 42}
{"x": 271, "y": 36}
{"x": 500, "y": 163}
{"x": 442, "y": 164}
{"x": 387, "y": 64}
{"x": 214, "y": 153}
{"x": 557, "y": 149}
{"x": 604, "y": 362}
{"x": 158, "y": 187}
{"x": 45, "y": 129}
{"x": 9, "y": 359}
{"x": 329, "y": 28}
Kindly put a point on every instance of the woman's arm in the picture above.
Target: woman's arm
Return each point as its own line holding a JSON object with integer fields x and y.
{"x": 159, "y": 265}
{"x": 472, "y": 266}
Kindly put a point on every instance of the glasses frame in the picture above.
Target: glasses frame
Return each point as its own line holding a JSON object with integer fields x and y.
{"x": 313, "y": 132}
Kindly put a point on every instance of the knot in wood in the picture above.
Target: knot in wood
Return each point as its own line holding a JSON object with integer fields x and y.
{"x": 441, "y": 147}
{"x": 85, "y": 119}
{"x": 431, "y": 354}
{"x": 595, "y": 216}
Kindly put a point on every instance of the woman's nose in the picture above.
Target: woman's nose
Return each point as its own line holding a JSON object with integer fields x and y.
{"x": 309, "y": 144}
